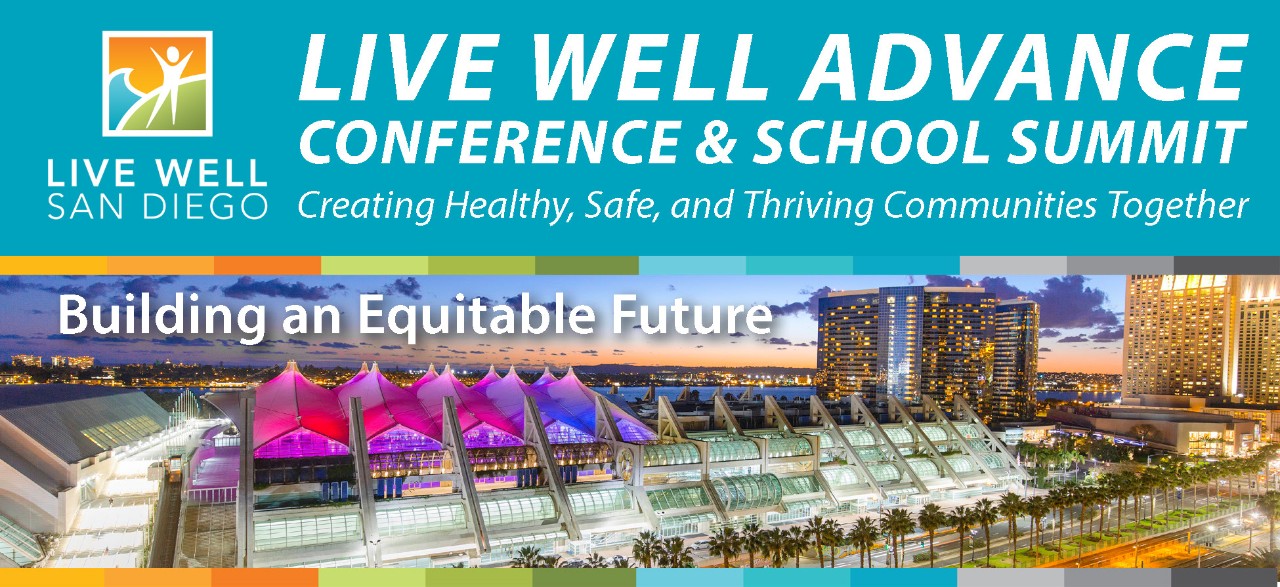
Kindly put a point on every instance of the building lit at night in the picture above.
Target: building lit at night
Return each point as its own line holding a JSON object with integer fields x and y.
{"x": 372, "y": 474}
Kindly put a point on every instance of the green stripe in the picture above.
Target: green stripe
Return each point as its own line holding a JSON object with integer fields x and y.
{"x": 373, "y": 265}
{"x": 379, "y": 577}
{"x": 693, "y": 265}
{"x": 799, "y": 265}
{"x": 588, "y": 266}
{"x": 472, "y": 578}
{"x": 584, "y": 578}
{"x": 482, "y": 265}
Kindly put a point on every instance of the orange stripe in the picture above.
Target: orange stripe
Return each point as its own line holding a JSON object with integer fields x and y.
{"x": 266, "y": 577}
{"x": 53, "y": 265}
{"x": 160, "y": 265}
{"x": 159, "y": 578}
{"x": 51, "y": 577}
{"x": 266, "y": 266}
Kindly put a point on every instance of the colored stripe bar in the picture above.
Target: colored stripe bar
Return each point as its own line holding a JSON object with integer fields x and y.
{"x": 587, "y": 265}
{"x": 482, "y": 265}
{"x": 693, "y": 265}
{"x": 53, "y": 265}
{"x": 374, "y": 265}
{"x": 266, "y": 266}
{"x": 160, "y": 266}
{"x": 799, "y": 265}
{"x": 906, "y": 265}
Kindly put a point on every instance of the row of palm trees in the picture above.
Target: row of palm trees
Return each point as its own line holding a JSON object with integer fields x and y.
{"x": 1071, "y": 504}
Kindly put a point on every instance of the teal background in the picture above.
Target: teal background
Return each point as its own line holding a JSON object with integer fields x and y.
{"x": 53, "y": 58}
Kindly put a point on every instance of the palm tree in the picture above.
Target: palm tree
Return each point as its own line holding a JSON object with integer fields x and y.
{"x": 896, "y": 525}
{"x": 797, "y": 540}
{"x": 1264, "y": 559}
{"x": 620, "y": 563}
{"x": 864, "y": 534}
{"x": 777, "y": 547}
{"x": 1269, "y": 504}
{"x": 1057, "y": 501}
{"x": 645, "y": 548}
{"x": 595, "y": 561}
{"x": 1037, "y": 508}
{"x": 527, "y": 557}
{"x": 838, "y": 539}
{"x": 1012, "y": 506}
{"x": 817, "y": 530}
{"x": 962, "y": 519}
{"x": 673, "y": 554}
{"x": 725, "y": 544}
{"x": 930, "y": 518}
{"x": 985, "y": 514}
{"x": 752, "y": 541}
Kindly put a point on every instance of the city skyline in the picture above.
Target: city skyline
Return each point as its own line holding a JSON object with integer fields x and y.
{"x": 1081, "y": 326}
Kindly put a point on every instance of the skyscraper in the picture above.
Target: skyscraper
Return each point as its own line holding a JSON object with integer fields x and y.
{"x": 1203, "y": 335}
{"x": 1177, "y": 334}
{"x": 910, "y": 342}
{"x": 1258, "y": 340}
{"x": 1017, "y": 349}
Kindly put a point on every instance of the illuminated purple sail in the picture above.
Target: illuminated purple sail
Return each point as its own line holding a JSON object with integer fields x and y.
{"x": 394, "y": 421}
{"x": 295, "y": 418}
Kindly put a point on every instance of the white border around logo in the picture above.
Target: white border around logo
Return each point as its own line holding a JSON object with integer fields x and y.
{"x": 107, "y": 131}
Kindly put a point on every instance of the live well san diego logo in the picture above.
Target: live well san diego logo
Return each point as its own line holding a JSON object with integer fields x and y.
{"x": 157, "y": 83}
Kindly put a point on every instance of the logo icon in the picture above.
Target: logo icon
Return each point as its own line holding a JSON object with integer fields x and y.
{"x": 157, "y": 84}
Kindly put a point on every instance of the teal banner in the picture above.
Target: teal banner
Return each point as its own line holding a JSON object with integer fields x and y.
{"x": 654, "y": 129}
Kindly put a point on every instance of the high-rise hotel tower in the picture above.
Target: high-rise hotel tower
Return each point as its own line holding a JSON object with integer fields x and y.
{"x": 1203, "y": 335}
{"x": 910, "y": 342}
{"x": 1016, "y": 356}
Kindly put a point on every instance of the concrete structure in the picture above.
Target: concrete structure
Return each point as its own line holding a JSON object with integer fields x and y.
{"x": 370, "y": 474}
{"x": 58, "y": 446}
{"x": 1184, "y": 432}
{"x": 906, "y": 342}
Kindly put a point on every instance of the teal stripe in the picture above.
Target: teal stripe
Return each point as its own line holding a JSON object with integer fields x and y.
{"x": 905, "y": 577}
{"x": 693, "y": 265}
{"x": 800, "y": 577}
{"x": 906, "y": 265}
{"x": 799, "y": 265}
{"x": 689, "y": 577}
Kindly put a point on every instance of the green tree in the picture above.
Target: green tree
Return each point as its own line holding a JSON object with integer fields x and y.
{"x": 1011, "y": 506}
{"x": 962, "y": 518}
{"x": 645, "y": 548}
{"x": 864, "y": 533}
{"x": 726, "y": 544}
{"x": 930, "y": 519}
{"x": 1269, "y": 504}
{"x": 752, "y": 541}
{"x": 985, "y": 514}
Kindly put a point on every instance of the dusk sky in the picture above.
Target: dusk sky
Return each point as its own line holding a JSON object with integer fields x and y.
{"x": 1081, "y": 319}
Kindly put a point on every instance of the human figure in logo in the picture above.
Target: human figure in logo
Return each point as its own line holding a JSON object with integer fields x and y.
{"x": 172, "y": 68}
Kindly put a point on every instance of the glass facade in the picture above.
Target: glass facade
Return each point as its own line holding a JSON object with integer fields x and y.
{"x": 791, "y": 446}
{"x": 589, "y": 503}
{"x": 305, "y": 531}
{"x": 678, "y": 498}
{"x": 798, "y": 485}
{"x": 842, "y": 475}
{"x": 910, "y": 342}
{"x": 300, "y": 444}
{"x": 517, "y": 511}
{"x": 422, "y": 519}
{"x": 748, "y": 492}
{"x": 676, "y": 453}
{"x": 732, "y": 450}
